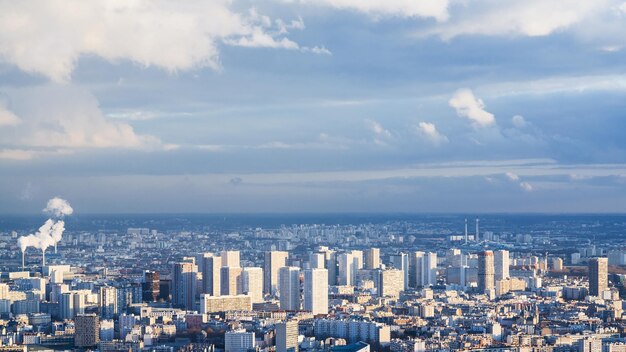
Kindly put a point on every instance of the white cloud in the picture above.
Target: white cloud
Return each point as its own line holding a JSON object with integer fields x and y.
{"x": 49, "y": 37}
{"x": 8, "y": 118}
{"x": 381, "y": 134}
{"x": 526, "y": 186}
{"x": 437, "y": 9}
{"x": 517, "y": 17}
{"x": 429, "y": 131}
{"x": 512, "y": 176}
{"x": 16, "y": 154}
{"x": 468, "y": 106}
{"x": 377, "y": 128}
{"x": 59, "y": 119}
{"x": 519, "y": 121}
{"x": 522, "y": 184}
{"x": 320, "y": 50}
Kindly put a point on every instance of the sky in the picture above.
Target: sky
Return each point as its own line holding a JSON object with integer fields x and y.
{"x": 326, "y": 106}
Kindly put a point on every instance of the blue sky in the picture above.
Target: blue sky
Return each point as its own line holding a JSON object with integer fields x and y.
{"x": 313, "y": 106}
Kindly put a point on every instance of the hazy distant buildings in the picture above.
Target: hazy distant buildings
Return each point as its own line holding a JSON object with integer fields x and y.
{"x": 486, "y": 272}
{"x": 316, "y": 291}
{"x": 289, "y": 277}
{"x": 598, "y": 276}
{"x": 274, "y": 260}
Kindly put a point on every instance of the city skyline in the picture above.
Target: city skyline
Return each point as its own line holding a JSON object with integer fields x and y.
{"x": 300, "y": 106}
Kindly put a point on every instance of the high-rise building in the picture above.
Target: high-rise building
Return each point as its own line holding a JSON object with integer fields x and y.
{"x": 454, "y": 258}
{"x": 486, "y": 273}
{"x": 357, "y": 264}
{"x": 400, "y": 261}
{"x": 501, "y": 263}
{"x": 390, "y": 282}
{"x": 253, "y": 283}
{"x": 590, "y": 344}
{"x": 289, "y": 277}
{"x": 598, "y": 276}
{"x": 80, "y": 302}
{"x": 211, "y": 266}
{"x": 150, "y": 286}
{"x": 287, "y": 336}
{"x": 126, "y": 324}
{"x": 429, "y": 269}
{"x": 316, "y": 291}
{"x": 108, "y": 302}
{"x": 239, "y": 341}
{"x": 87, "y": 330}
{"x": 231, "y": 281}
{"x": 4, "y": 291}
{"x": 331, "y": 265}
{"x": 66, "y": 306}
{"x": 317, "y": 260}
{"x": 230, "y": 259}
{"x": 184, "y": 281}
{"x": 274, "y": 260}
{"x": 346, "y": 268}
{"x": 557, "y": 264}
{"x": 415, "y": 269}
{"x": 107, "y": 330}
{"x": 372, "y": 258}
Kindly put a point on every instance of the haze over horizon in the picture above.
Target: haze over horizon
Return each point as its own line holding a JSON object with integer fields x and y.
{"x": 332, "y": 106}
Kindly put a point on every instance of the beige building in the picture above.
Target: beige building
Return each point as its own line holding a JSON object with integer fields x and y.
{"x": 486, "y": 272}
{"x": 212, "y": 304}
{"x": 287, "y": 336}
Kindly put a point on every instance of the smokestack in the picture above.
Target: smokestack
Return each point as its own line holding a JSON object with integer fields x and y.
{"x": 465, "y": 230}
{"x": 477, "y": 229}
{"x": 23, "y": 261}
{"x": 43, "y": 258}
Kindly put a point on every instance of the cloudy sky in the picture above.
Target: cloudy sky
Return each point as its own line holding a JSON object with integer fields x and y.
{"x": 313, "y": 105}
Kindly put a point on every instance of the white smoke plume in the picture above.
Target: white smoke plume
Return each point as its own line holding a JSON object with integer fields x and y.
{"x": 51, "y": 232}
{"x": 57, "y": 231}
{"x": 58, "y": 207}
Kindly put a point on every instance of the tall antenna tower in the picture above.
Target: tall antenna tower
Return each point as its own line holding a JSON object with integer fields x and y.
{"x": 477, "y": 229}
{"x": 465, "y": 230}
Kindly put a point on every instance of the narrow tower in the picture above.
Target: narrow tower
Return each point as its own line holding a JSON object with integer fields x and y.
{"x": 465, "y": 230}
{"x": 477, "y": 230}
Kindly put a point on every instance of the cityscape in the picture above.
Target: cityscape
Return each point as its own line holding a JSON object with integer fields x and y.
{"x": 313, "y": 175}
{"x": 397, "y": 283}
